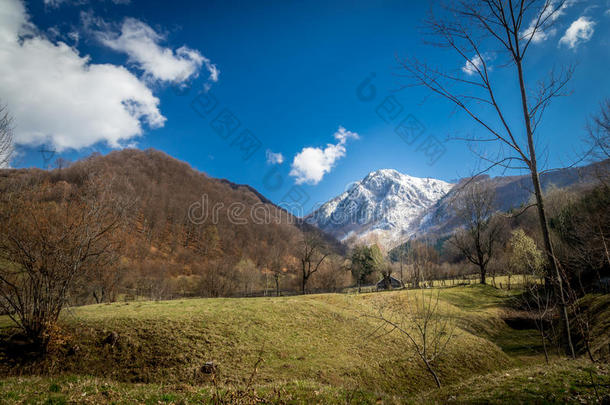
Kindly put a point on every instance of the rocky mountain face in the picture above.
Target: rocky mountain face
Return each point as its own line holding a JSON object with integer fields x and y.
{"x": 384, "y": 207}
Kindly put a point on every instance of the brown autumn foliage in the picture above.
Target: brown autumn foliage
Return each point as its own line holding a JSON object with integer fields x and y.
{"x": 163, "y": 253}
{"x": 50, "y": 234}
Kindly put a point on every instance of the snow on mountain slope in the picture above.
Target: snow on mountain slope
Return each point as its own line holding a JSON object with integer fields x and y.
{"x": 384, "y": 207}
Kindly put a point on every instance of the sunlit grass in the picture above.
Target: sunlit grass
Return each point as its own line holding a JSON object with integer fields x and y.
{"x": 314, "y": 348}
{"x": 324, "y": 339}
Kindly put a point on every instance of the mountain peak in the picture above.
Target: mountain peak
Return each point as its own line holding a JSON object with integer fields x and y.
{"x": 383, "y": 207}
{"x": 386, "y": 173}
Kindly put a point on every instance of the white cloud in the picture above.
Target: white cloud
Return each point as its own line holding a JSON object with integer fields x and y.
{"x": 540, "y": 35}
{"x": 57, "y": 3}
{"x": 472, "y": 66}
{"x": 579, "y": 31}
{"x": 57, "y": 96}
{"x": 274, "y": 158}
{"x": 311, "y": 164}
{"x": 475, "y": 64}
{"x": 548, "y": 17}
{"x": 142, "y": 46}
{"x": 74, "y": 36}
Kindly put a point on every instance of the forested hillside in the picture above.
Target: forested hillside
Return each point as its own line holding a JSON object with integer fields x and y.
{"x": 182, "y": 233}
{"x": 512, "y": 193}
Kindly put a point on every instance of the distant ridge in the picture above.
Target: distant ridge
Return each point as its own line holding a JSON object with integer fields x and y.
{"x": 388, "y": 207}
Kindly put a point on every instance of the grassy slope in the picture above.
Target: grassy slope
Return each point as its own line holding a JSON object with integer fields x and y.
{"x": 597, "y": 310}
{"x": 564, "y": 381}
{"x": 315, "y": 348}
{"x": 320, "y": 338}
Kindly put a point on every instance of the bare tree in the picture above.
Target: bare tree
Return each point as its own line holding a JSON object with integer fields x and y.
{"x": 276, "y": 258}
{"x": 311, "y": 255}
{"x": 583, "y": 228}
{"x": 333, "y": 274}
{"x": 50, "y": 234}
{"x": 6, "y": 136}
{"x": 582, "y": 316}
{"x": 470, "y": 28}
{"x": 422, "y": 258}
{"x": 247, "y": 274}
{"x": 598, "y": 137}
{"x": 401, "y": 252}
{"x": 104, "y": 277}
{"x": 475, "y": 206}
{"x": 420, "y": 322}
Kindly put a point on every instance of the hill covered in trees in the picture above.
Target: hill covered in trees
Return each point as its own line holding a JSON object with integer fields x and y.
{"x": 511, "y": 194}
{"x": 181, "y": 232}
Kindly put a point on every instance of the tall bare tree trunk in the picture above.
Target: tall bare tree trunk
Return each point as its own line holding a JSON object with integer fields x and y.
{"x": 402, "y": 281}
{"x": 469, "y": 23}
{"x": 544, "y": 227}
{"x": 546, "y": 353}
{"x": 277, "y": 285}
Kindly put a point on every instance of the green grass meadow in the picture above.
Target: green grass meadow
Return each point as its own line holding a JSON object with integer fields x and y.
{"x": 314, "y": 348}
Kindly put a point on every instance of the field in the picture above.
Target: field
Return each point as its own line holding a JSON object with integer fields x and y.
{"x": 315, "y": 348}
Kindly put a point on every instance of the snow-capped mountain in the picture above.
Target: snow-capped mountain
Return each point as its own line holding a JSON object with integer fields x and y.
{"x": 384, "y": 207}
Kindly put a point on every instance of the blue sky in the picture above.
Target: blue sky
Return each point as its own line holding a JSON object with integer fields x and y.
{"x": 288, "y": 71}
